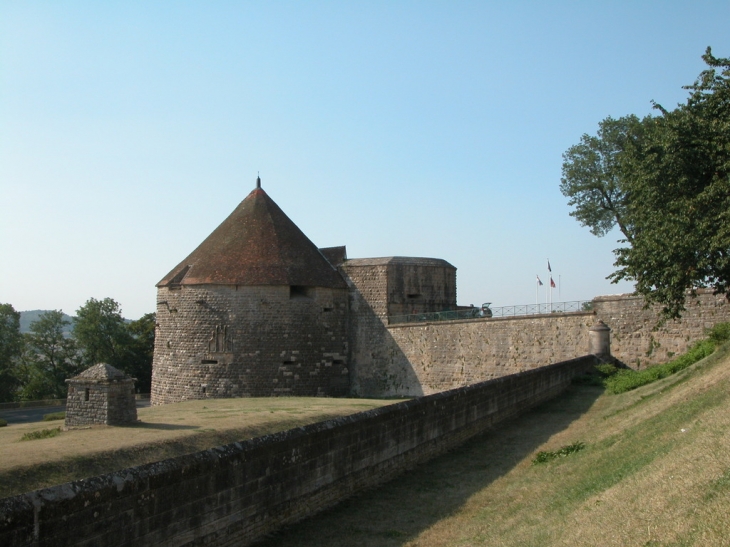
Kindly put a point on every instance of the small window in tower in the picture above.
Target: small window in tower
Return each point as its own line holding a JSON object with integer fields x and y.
{"x": 86, "y": 394}
{"x": 414, "y": 295}
{"x": 178, "y": 277}
{"x": 300, "y": 291}
{"x": 208, "y": 362}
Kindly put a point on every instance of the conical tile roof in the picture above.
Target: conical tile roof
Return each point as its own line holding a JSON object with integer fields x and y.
{"x": 256, "y": 245}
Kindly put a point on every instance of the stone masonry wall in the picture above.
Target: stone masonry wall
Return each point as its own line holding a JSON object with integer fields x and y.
{"x": 108, "y": 403}
{"x": 635, "y": 339}
{"x": 372, "y": 348}
{"x": 432, "y": 357}
{"x": 418, "y": 288}
{"x": 227, "y": 341}
{"x": 235, "y": 494}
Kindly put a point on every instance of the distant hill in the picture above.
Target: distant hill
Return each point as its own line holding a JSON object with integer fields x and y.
{"x": 28, "y": 317}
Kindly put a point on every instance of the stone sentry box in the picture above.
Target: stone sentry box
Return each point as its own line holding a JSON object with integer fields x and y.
{"x": 101, "y": 394}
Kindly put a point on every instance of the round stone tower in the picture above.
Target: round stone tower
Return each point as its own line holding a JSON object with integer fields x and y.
{"x": 256, "y": 310}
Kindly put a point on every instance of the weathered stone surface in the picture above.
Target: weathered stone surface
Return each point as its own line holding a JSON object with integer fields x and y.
{"x": 101, "y": 394}
{"x": 229, "y": 341}
{"x": 638, "y": 341}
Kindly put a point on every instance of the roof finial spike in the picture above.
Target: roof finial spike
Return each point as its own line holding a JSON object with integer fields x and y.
{"x": 258, "y": 180}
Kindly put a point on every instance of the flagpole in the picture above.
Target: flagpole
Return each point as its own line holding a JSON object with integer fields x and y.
{"x": 550, "y": 276}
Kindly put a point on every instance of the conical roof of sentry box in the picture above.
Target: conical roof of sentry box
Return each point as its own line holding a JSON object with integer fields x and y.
{"x": 256, "y": 245}
{"x": 102, "y": 372}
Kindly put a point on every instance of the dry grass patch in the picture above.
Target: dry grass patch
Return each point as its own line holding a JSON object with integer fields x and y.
{"x": 655, "y": 471}
{"x": 163, "y": 432}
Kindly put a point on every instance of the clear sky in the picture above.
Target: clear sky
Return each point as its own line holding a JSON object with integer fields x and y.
{"x": 130, "y": 130}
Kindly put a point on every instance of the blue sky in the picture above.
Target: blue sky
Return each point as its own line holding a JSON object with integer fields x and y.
{"x": 130, "y": 130}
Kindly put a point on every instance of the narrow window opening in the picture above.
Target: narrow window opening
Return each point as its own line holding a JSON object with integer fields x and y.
{"x": 209, "y": 362}
{"x": 86, "y": 394}
{"x": 338, "y": 362}
{"x": 300, "y": 291}
{"x": 203, "y": 389}
{"x": 327, "y": 309}
{"x": 414, "y": 295}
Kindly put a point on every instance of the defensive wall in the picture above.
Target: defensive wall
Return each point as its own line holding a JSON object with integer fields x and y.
{"x": 416, "y": 359}
{"x": 234, "y": 494}
{"x": 638, "y": 342}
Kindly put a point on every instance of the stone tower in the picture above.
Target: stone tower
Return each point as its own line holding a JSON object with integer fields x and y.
{"x": 255, "y": 310}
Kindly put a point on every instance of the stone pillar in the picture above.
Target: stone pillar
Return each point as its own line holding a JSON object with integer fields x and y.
{"x": 599, "y": 340}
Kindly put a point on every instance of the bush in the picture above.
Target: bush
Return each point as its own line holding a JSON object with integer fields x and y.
{"x": 720, "y": 333}
{"x": 54, "y": 416}
{"x": 42, "y": 434}
{"x": 626, "y": 380}
{"x": 607, "y": 369}
{"x": 567, "y": 450}
{"x": 596, "y": 377}
{"x": 3, "y": 423}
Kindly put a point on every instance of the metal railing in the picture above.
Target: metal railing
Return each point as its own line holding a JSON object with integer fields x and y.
{"x": 503, "y": 311}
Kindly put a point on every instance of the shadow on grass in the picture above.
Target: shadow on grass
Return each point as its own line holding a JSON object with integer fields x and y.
{"x": 398, "y": 511}
{"x": 161, "y": 426}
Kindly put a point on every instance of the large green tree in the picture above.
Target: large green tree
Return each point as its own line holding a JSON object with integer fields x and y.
{"x": 594, "y": 171}
{"x": 104, "y": 336}
{"x": 142, "y": 349}
{"x": 673, "y": 178}
{"x": 11, "y": 345}
{"x": 101, "y": 333}
{"x": 50, "y": 358}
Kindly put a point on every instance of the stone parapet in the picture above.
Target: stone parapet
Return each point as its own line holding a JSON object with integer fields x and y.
{"x": 235, "y": 494}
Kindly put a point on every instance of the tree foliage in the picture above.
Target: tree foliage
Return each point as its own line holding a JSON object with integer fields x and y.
{"x": 104, "y": 337}
{"x": 141, "y": 351}
{"x": 593, "y": 174}
{"x": 101, "y": 333}
{"x": 11, "y": 345}
{"x": 37, "y": 364}
{"x": 50, "y": 358}
{"x": 670, "y": 176}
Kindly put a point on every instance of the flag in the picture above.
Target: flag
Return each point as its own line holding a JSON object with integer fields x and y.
{"x": 552, "y": 283}
{"x": 549, "y": 269}
{"x": 538, "y": 280}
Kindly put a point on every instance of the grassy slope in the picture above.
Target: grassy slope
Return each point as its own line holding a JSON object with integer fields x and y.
{"x": 655, "y": 471}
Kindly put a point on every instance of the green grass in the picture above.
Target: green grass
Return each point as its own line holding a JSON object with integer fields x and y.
{"x": 545, "y": 456}
{"x": 54, "y": 416}
{"x": 623, "y": 380}
{"x": 41, "y": 434}
{"x": 3, "y": 423}
{"x": 652, "y": 468}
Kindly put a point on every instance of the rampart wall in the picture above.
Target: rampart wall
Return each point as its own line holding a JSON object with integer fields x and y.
{"x": 438, "y": 356}
{"x": 637, "y": 341}
{"x": 421, "y": 358}
{"x": 234, "y": 494}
